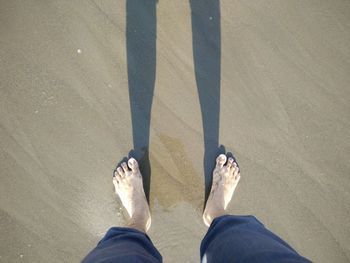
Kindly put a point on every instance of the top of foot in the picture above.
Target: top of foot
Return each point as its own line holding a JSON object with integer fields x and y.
{"x": 127, "y": 180}
{"x": 226, "y": 176}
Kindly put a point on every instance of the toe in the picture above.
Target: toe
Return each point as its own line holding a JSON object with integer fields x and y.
{"x": 221, "y": 160}
{"x": 236, "y": 173}
{"x": 116, "y": 175}
{"x": 134, "y": 166}
{"x": 120, "y": 172}
{"x": 230, "y": 162}
{"x": 115, "y": 181}
{"x": 234, "y": 166}
{"x": 237, "y": 178}
{"x": 125, "y": 167}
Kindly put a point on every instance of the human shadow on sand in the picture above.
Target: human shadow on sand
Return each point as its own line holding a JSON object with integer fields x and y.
{"x": 141, "y": 64}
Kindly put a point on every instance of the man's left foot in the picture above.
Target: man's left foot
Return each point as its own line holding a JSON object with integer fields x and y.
{"x": 226, "y": 176}
{"x": 127, "y": 180}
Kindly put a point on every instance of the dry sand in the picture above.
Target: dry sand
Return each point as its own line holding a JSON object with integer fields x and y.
{"x": 65, "y": 121}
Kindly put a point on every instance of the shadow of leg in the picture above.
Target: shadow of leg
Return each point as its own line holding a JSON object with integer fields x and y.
{"x": 141, "y": 59}
{"x": 206, "y": 40}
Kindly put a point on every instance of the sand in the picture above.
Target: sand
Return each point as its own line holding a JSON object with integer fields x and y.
{"x": 282, "y": 69}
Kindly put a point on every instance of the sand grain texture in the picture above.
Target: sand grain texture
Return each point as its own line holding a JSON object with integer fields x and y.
{"x": 65, "y": 122}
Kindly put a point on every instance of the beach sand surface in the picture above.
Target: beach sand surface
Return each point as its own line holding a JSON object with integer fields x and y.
{"x": 65, "y": 123}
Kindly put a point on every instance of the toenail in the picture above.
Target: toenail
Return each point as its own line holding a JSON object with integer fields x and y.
{"x": 221, "y": 158}
{"x": 132, "y": 161}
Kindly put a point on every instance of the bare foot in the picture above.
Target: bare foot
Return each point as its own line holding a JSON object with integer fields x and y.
{"x": 127, "y": 180}
{"x": 225, "y": 180}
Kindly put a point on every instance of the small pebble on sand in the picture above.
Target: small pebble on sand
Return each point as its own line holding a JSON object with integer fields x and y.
{"x": 79, "y": 51}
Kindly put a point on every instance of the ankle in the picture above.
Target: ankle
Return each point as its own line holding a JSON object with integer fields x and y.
{"x": 210, "y": 214}
{"x": 140, "y": 222}
{"x": 137, "y": 226}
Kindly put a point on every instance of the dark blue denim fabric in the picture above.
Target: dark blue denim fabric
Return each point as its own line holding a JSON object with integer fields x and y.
{"x": 229, "y": 239}
{"x": 244, "y": 239}
{"x": 124, "y": 245}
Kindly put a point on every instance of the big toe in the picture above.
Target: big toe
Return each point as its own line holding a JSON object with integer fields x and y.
{"x": 221, "y": 160}
{"x": 133, "y": 164}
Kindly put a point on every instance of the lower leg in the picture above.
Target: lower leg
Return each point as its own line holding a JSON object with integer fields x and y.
{"x": 122, "y": 244}
{"x": 238, "y": 238}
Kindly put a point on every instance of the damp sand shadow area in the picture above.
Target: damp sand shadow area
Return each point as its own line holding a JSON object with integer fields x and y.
{"x": 141, "y": 34}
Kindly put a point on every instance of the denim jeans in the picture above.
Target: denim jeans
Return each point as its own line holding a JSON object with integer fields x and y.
{"x": 229, "y": 239}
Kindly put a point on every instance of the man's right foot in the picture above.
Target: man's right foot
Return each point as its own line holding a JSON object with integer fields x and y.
{"x": 225, "y": 179}
{"x": 127, "y": 180}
